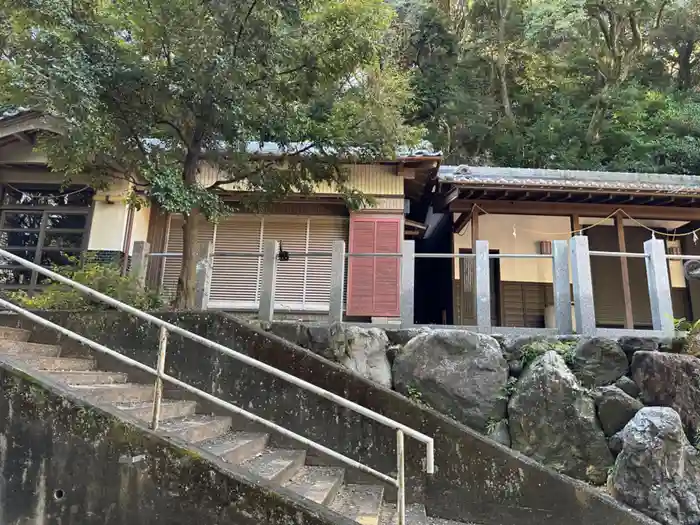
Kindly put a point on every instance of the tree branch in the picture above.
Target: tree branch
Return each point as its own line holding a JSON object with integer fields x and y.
{"x": 175, "y": 128}
{"x": 242, "y": 27}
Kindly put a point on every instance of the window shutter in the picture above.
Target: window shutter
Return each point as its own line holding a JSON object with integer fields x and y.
{"x": 387, "y": 280}
{"x": 236, "y": 279}
{"x": 291, "y": 233}
{"x": 323, "y": 232}
{"x": 172, "y": 265}
{"x": 374, "y": 282}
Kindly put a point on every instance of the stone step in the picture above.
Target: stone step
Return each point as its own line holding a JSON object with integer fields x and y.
{"x": 168, "y": 409}
{"x": 439, "y": 521}
{"x": 319, "y": 484}
{"x": 361, "y": 503}
{"x": 89, "y": 377}
{"x": 237, "y": 447}
{"x": 14, "y": 334}
{"x": 115, "y": 393}
{"x": 68, "y": 364}
{"x": 415, "y": 515}
{"x": 197, "y": 428}
{"x": 23, "y": 349}
{"x": 276, "y": 465}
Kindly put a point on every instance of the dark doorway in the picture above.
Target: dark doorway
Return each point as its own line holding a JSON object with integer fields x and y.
{"x": 433, "y": 277}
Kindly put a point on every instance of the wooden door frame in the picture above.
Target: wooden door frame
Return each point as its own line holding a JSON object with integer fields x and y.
{"x": 496, "y": 285}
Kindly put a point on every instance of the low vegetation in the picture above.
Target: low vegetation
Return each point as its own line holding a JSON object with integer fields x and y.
{"x": 104, "y": 278}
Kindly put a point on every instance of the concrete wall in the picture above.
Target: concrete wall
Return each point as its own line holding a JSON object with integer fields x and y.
{"x": 476, "y": 480}
{"x": 63, "y": 463}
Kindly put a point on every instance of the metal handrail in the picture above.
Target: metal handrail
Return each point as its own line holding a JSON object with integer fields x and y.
{"x": 632, "y": 255}
{"x": 161, "y": 376}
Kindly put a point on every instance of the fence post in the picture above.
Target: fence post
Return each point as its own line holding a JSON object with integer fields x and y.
{"x": 335, "y": 307}
{"x": 561, "y": 286}
{"x": 139, "y": 262}
{"x": 483, "y": 287}
{"x": 659, "y": 286}
{"x": 583, "y": 285}
{"x": 269, "y": 280}
{"x": 408, "y": 274}
{"x": 205, "y": 266}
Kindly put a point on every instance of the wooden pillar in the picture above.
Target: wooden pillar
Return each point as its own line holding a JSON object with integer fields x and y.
{"x": 575, "y": 224}
{"x": 475, "y": 228}
{"x": 626, "y": 290}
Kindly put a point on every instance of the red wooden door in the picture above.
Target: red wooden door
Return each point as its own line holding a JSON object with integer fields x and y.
{"x": 374, "y": 283}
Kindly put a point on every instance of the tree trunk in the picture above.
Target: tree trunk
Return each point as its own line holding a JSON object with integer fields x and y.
{"x": 185, "y": 298}
{"x": 186, "y": 283}
{"x": 685, "y": 52}
{"x": 502, "y": 60}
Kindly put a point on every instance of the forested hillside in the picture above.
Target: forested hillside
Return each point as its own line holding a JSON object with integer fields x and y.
{"x": 589, "y": 84}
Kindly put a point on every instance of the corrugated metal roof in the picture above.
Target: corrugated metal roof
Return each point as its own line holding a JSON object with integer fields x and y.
{"x": 425, "y": 149}
{"x": 8, "y": 113}
{"x": 662, "y": 183}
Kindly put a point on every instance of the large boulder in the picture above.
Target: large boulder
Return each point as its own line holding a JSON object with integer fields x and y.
{"x": 631, "y": 345}
{"x": 671, "y": 380}
{"x": 658, "y": 471}
{"x": 401, "y": 336}
{"x": 615, "y": 409}
{"x": 459, "y": 373}
{"x": 553, "y": 420}
{"x": 599, "y": 362}
{"x": 363, "y": 350}
{"x": 628, "y": 386}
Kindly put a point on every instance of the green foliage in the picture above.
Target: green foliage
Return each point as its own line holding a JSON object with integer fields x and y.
{"x": 509, "y": 388}
{"x": 567, "y": 84}
{"x": 691, "y": 342}
{"x": 534, "y": 349}
{"x": 155, "y": 91}
{"x": 415, "y": 395}
{"x": 683, "y": 325}
{"x": 104, "y": 278}
{"x": 491, "y": 425}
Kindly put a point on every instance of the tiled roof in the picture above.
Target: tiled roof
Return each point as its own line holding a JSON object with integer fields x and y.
{"x": 575, "y": 180}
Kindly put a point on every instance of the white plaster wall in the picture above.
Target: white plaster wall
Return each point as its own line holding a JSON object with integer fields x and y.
{"x": 529, "y": 231}
{"x": 108, "y": 226}
{"x": 140, "y": 229}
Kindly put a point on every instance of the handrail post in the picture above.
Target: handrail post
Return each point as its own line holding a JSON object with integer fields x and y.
{"x": 160, "y": 369}
{"x": 483, "y": 287}
{"x": 584, "y": 306}
{"x": 408, "y": 272}
{"x": 430, "y": 457}
{"x": 335, "y": 306}
{"x": 205, "y": 266}
{"x": 269, "y": 281}
{"x": 659, "y": 286}
{"x": 139, "y": 262}
{"x": 400, "y": 479}
{"x": 561, "y": 287}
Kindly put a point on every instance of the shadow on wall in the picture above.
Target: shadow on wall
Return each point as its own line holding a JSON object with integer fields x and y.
{"x": 476, "y": 479}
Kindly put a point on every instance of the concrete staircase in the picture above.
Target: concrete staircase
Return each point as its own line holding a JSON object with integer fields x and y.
{"x": 212, "y": 433}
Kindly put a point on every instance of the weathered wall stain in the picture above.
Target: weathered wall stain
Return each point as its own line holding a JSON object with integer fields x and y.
{"x": 476, "y": 480}
{"x": 62, "y": 463}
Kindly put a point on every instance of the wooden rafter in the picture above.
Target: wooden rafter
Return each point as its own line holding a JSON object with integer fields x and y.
{"x": 565, "y": 209}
